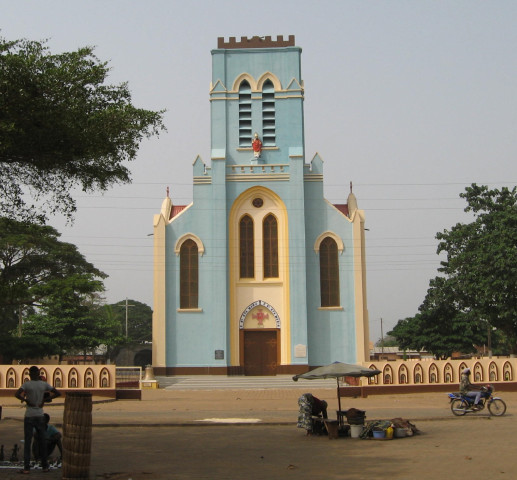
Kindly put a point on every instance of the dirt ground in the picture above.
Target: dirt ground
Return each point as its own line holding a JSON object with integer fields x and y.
{"x": 187, "y": 446}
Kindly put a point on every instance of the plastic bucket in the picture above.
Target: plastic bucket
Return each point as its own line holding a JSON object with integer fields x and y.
{"x": 399, "y": 433}
{"x": 379, "y": 434}
{"x": 356, "y": 430}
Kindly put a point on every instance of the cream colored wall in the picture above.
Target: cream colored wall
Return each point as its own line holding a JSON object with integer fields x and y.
{"x": 243, "y": 292}
{"x": 361, "y": 311}
{"x": 20, "y": 373}
{"x": 484, "y": 370}
{"x": 159, "y": 337}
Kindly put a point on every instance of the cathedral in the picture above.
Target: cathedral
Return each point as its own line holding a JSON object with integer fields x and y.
{"x": 259, "y": 274}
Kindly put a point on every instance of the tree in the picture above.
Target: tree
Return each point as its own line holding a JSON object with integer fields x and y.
{"x": 76, "y": 321}
{"x": 477, "y": 291}
{"x": 440, "y": 327}
{"x": 140, "y": 319}
{"x": 387, "y": 341}
{"x": 26, "y": 348}
{"x": 61, "y": 127}
{"x": 38, "y": 270}
{"x": 481, "y": 264}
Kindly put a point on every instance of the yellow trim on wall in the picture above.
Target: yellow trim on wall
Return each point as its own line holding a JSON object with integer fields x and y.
{"x": 277, "y": 97}
{"x": 189, "y": 236}
{"x": 334, "y": 236}
{"x": 276, "y": 291}
{"x": 256, "y": 85}
{"x": 362, "y": 328}
{"x": 159, "y": 293}
{"x": 269, "y": 76}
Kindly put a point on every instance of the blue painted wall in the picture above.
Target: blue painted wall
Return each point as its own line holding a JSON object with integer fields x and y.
{"x": 193, "y": 337}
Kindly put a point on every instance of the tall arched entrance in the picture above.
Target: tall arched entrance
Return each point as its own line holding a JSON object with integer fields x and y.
{"x": 259, "y": 279}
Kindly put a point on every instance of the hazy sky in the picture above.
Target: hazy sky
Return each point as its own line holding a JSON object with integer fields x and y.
{"x": 410, "y": 100}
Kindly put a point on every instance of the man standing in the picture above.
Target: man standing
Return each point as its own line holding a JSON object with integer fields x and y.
{"x": 32, "y": 393}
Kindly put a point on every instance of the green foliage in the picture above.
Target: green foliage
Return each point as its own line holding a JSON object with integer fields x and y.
{"x": 439, "y": 327}
{"x": 54, "y": 288}
{"x": 478, "y": 290}
{"x": 26, "y": 348}
{"x": 140, "y": 319}
{"x": 76, "y": 321}
{"x": 387, "y": 341}
{"x": 35, "y": 266}
{"x": 62, "y": 126}
{"x": 9, "y": 316}
{"x": 481, "y": 264}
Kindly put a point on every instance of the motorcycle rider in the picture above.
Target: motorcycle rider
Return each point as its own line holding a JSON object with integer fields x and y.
{"x": 469, "y": 390}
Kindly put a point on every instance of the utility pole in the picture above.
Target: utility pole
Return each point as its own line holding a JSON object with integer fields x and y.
{"x": 382, "y": 340}
{"x": 20, "y": 321}
{"x": 489, "y": 328}
{"x": 127, "y": 310}
{"x": 127, "y": 305}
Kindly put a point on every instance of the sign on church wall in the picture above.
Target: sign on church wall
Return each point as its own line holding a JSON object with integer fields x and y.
{"x": 259, "y": 314}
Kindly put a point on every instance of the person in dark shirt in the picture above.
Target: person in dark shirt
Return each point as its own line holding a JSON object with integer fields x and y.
{"x": 52, "y": 440}
{"x": 468, "y": 389}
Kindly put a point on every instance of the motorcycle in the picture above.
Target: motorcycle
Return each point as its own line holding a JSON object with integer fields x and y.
{"x": 461, "y": 404}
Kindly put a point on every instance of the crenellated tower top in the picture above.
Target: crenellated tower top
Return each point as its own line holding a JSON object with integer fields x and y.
{"x": 256, "y": 42}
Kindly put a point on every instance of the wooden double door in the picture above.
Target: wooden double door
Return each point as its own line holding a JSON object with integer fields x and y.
{"x": 260, "y": 352}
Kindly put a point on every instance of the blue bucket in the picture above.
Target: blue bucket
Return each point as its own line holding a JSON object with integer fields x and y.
{"x": 379, "y": 434}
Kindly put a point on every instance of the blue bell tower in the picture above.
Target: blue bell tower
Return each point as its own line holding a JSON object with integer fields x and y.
{"x": 256, "y": 89}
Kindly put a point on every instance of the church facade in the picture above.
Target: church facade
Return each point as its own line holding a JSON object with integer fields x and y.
{"x": 260, "y": 274}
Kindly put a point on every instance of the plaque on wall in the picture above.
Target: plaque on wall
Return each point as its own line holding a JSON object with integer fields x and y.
{"x": 219, "y": 354}
{"x": 300, "y": 351}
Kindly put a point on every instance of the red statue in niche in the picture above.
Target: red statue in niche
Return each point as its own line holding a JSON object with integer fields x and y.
{"x": 257, "y": 146}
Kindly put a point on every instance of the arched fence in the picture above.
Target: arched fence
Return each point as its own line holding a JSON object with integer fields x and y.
{"x": 100, "y": 380}
{"x": 430, "y": 371}
{"x": 428, "y": 375}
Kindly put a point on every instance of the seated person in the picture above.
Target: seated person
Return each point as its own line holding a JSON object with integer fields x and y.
{"x": 469, "y": 390}
{"x": 319, "y": 407}
{"x": 52, "y": 439}
{"x": 310, "y": 406}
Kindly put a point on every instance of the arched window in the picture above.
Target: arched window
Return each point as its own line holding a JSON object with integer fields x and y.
{"x": 507, "y": 372}
{"x": 245, "y": 114}
{"x": 434, "y": 376}
{"x": 403, "y": 375}
{"x": 246, "y": 247}
{"x": 105, "y": 378}
{"x": 73, "y": 378}
{"x": 10, "y": 378}
{"x": 329, "y": 273}
{"x": 270, "y": 247}
{"x": 189, "y": 274}
{"x": 58, "y": 378}
{"x": 268, "y": 114}
{"x": 493, "y": 373}
{"x": 418, "y": 374}
{"x": 448, "y": 373}
{"x": 88, "y": 378}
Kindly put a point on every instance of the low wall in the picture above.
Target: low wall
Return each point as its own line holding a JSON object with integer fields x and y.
{"x": 419, "y": 372}
{"x": 101, "y": 380}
